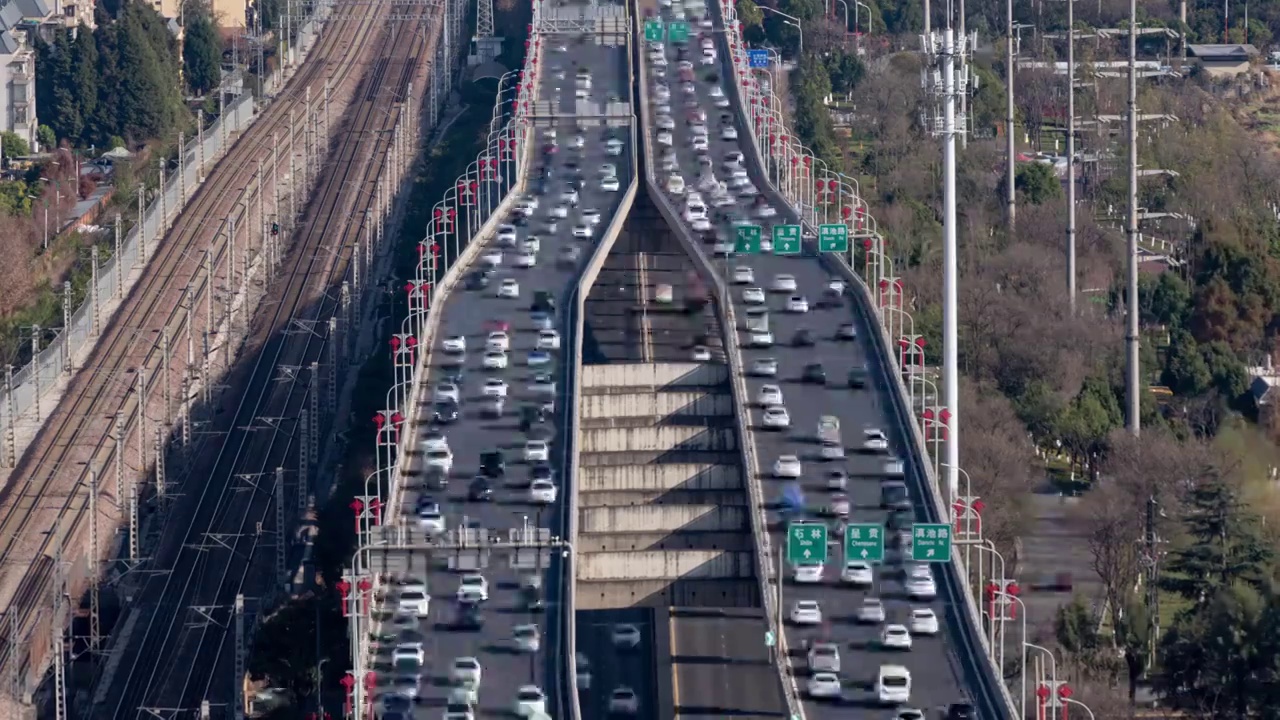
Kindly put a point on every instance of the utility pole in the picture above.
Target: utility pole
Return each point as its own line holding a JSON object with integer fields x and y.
{"x": 119, "y": 256}
{"x": 166, "y": 356}
{"x": 142, "y": 420}
{"x": 238, "y": 680}
{"x": 1132, "y": 339}
{"x": 10, "y": 429}
{"x": 35, "y": 370}
{"x": 1071, "y": 156}
{"x": 162, "y": 486}
{"x": 1153, "y": 577}
{"x": 141, "y": 260}
{"x": 58, "y": 628}
{"x": 281, "y": 546}
{"x": 66, "y": 324}
{"x": 182, "y": 168}
{"x": 95, "y": 616}
{"x": 95, "y": 303}
{"x": 119, "y": 463}
{"x": 1011, "y": 192}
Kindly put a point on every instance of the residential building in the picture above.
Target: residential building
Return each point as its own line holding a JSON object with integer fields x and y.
{"x": 1221, "y": 60}
{"x": 18, "y": 20}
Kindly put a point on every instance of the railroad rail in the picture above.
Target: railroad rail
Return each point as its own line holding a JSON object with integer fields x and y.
{"x": 102, "y": 421}
{"x": 176, "y": 665}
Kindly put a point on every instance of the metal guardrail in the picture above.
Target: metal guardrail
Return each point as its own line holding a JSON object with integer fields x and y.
{"x": 741, "y": 403}
{"x": 999, "y": 701}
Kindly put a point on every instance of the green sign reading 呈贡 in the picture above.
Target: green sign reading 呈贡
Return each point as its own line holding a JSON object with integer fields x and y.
{"x": 786, "y": 239}
{"x": 864, "y": 541}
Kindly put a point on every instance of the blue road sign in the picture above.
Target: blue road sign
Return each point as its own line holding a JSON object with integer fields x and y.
{"x": 758, "y": 58}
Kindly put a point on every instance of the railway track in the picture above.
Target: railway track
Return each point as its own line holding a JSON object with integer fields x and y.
{"x": 44, "y": 502}
{"x": 176, "y": 665}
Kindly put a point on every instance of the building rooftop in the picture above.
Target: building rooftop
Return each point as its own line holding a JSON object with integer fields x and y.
{"x": 8, "y": 43}
{"x": 1233, "y": 51}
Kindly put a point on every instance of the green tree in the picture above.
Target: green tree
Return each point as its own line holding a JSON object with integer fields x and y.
{"x": 1224, "y": 546}
{"x": 144, "y": 108}
{"x": 1089, "y": 419}
{"x": 202, "y": 51}
{"x": 811, "y": 86}
{"x": 1076, "y": 630}
{"x": 55, "y": 94}
{"x": 750, "y": 14}
{"x": 1185, "y": 371}
{"x": 83, "y": 82}
{"x": 845, "y": 70}
{"x": 286, "y": 643}
{"x": 46, "y": 137}
{"x": 1133, "y": 636}
{"x": 1037, "y": 183}
{"x": 13, "y": 198}
{"x": 13, "y": 145}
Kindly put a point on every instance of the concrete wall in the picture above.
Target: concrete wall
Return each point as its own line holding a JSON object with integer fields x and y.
{"x": 658, "y": 438}
{"x": 648, "y": 478}
{"x": 603, "y": 378}
{"x": 687, "y": 564}
{"x": 659, "y": 405}
{"x": 662, "y": 518}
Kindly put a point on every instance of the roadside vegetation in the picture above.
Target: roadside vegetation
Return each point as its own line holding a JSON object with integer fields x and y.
{"x": 1044, "y": 389}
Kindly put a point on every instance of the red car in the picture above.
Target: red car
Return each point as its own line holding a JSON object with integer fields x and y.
{"x": 495, "y": 325}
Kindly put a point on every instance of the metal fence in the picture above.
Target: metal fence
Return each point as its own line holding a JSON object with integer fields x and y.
{"x": 34, "y": 390}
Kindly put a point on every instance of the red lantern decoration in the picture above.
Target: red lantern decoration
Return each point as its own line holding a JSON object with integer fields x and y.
{"x": 846, "y": 211}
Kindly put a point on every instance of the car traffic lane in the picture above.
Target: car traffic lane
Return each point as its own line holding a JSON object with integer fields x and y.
{"x": 931, "y": 662}
{"x": 722, "y": 666}
{"x": 611, "y": 666}
{"x": 473, "y": 312}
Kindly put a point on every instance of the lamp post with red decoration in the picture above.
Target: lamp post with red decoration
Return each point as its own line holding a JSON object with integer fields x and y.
{"x": 1068, "y": 700}
{"x": 348, "y": 682}
{"x": 935, "y": 419}
{"x": 403, "y": 351}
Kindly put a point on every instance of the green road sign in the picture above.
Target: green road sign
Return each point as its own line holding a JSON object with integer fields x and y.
{"x": 931, "y": 542}
{"x": 746, "y": 239}
{"x": 653, "y": 30}
{"x": 806, "y": 543}
{"x": 678, "y": 32}
{"x": 769, "y": 639}
{"x": 864, "y": 541}
{"x": 833, "y": 238}
{"x": 786, "y": 239}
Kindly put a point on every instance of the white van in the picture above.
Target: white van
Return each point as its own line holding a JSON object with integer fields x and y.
{"x": 675, "y": 184}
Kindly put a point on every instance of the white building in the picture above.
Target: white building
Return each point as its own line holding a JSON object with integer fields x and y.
{"x": 18, "y": 20}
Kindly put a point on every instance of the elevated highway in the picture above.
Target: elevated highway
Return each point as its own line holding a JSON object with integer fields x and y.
{"x": 571, "y": 135}
{"x": 946, "y": 668}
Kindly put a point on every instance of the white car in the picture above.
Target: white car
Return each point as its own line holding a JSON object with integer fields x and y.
{"x": 527, "y": 638}
{"x": 831, "y": 451}
{"x": 764, "y": 367}
{"x": 560, "y": 211}
{"x": 413, "y": 599}
{"x": 776, "y": 418}
{"x": 610, "y": 184}
{"x": 430, "y": 519}
{"x": 455, "y": 344}
{"x": 797, "y": 304}
{"x": 507, "y": 234}
{"x": 498, "y": 340}
{"x": 806, "y": 612}
{"x": 495, "y": 360}
{"x": 824, "y": 657}
{"x": 569, "y": 196}
{"x": 753, "y": 296}
{"x": 548, "y": 340}
{"x": 924, "y": 622}
{"x": 769, "y": 395}
{"x": 582, "y": 666}
{"x": 409, "y": 652}
{"x": 873, "y": 439}
{"x": 591, "y": 216}
{"x": 465, "y": 669}
{"x": 664, "y": 138}
{"x": 530, "y": 701}
{"x": 626, "y": 636}
{"x": 847, "y": 331}
{"x": 760, "y": 339}
{"x": 494, "y": 387}
{"x": 857, "y": 572}
{"x": 921, "y": 587}
{"x": 699, "y": 143}
{"x": 442, "y": 459}
{"x": 808, "y": 574}
{"x": 536, "y": 451}
{"x": 783, "y": 283}
{"x": 895, "y": 637}
{"x": 701, "y": 353}
{"x": 893, "y": 685}
{"x": 787, "y": 467}
{"x": 702, "y": 225}
{"x": 623, "y": 700}
{"x": 492, "y": 258}
{"x": 509, "y": 289}
{"x": 824, "y": 686}
{"x": 766, "y": 211}
{"x": 542, "y": 385}
{"x": 542, "y": 492}
{"x": 526, "y": 259}
{"x": 613, "y": 147}
{"x": 473, "y": 584}
{"x": 434, "y": 440}
{"x": 582, "y": 232}
{"x": 728, "y": 132}
{"x": 871, "y": 611}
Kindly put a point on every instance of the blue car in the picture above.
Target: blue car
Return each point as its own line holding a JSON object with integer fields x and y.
{"x": 539, "y": 358}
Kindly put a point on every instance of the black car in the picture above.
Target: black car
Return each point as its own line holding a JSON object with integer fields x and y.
{"x": 481, "y": 490}
{"x": 445, "y": 412}
{"x": 901, "y": 520}
{"x": 531, "y": 593}
{"x": 493, "y": 464}
{"x": 478, "y": 280}
{"x": 531, "y": 416}
{"x": 541, "y": 471}
{"x": 470, "y": 617}
{"x": 543, "y": 301}
{"x": 858, "y": 377}
{"x": 961, "y": 711}
{"x": 802, "y": 338}
{"x": 435, "y": 478}
{"x": 894, "y": 495}
{"x": 814, "y": 373}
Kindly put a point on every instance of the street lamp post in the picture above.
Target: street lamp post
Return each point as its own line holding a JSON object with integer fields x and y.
{"x": 1053, "y": 665}
{"x": 846, "y": 15}
{"x": 1070, "y": 701}
{"x": 794, "y": 22}
{"x": 1022, "y": 669}
{"x": 866, "y": 7}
